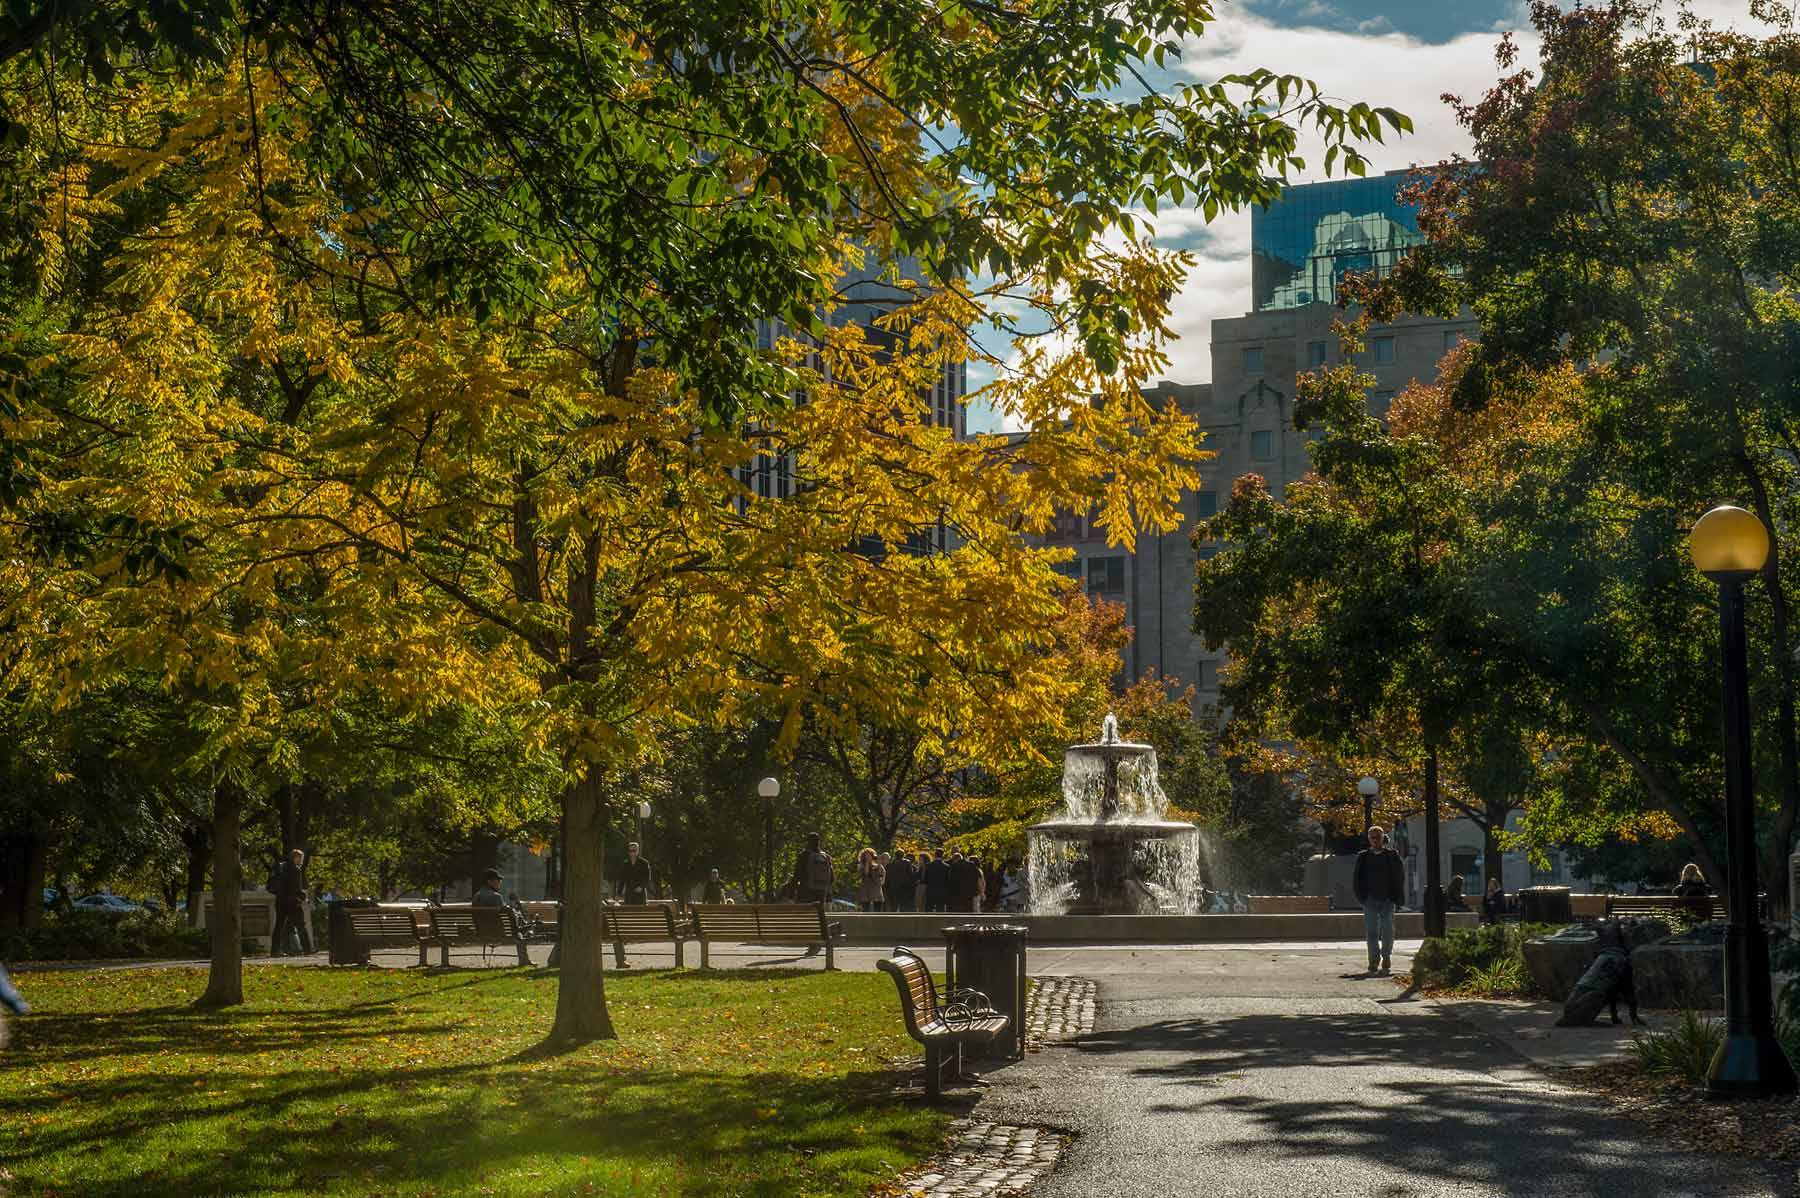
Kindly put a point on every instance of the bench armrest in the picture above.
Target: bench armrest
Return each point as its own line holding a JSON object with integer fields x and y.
{"x": 834, "y": 929}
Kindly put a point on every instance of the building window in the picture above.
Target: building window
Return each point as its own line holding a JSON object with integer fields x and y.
{"x": 1106, "y": 575}
{"x": 1262, "y": 445}
{"x": 1384, "y": 350}
{"x": 1069, "y": 569}
{"x": 1206, "y": 504}
{"x": 1317, "y": 352}
{"x": 1253, "y": 362}
{"x": 1201, "y": 673}
{"x": 1379, "y": 405}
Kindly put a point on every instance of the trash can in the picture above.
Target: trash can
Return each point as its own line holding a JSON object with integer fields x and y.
{"x": 342, "y": 945}
{"x": 990, "y": 957}
{"x": 1545, "y": 904}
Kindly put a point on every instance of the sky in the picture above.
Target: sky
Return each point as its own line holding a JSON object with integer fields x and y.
{"x": 1403, "y": 54}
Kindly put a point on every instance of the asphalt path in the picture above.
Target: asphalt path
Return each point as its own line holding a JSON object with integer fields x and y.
{"x": 1276, "y": 1070}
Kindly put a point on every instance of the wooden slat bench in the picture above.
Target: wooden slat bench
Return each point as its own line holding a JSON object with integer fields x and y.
{"x": 1707, "y": 906}
{"x": 765, "y": 923}
{"x": 474, "y": 925}
{"x": 384, "y": 927}
{"x": 643, "y": 925}
{"x": 969, "y": 1020}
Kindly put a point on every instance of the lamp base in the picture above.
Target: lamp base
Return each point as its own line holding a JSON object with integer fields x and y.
{"x": 1749, "y": 1065}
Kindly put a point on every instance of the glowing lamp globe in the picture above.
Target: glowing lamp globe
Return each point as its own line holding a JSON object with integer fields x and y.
{"x": 1729, "y": 543}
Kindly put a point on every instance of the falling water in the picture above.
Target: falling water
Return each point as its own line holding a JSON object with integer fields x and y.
{"x": 1131, "y": 861}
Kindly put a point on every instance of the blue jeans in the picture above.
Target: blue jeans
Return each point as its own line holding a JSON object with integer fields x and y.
{"x": 1378, "y": 924}
{"x": 9, "y": 998}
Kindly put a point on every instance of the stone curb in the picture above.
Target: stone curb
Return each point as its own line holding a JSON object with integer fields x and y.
{"x": 985, "y": 1160}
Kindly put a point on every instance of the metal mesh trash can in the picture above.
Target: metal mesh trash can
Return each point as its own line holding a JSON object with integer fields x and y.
{"x": 990, "y": 957}
{"x": 1545, "y": 904}
{"x": 342, "y": 944}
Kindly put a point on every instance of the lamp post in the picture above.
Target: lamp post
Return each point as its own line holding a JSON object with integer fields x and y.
{"x": 1434, "y": 875}
{"x": 1729, "y": 546}
{"x": 1368, "y": 788}
{"x": 769, "y": 789}
{"x": 643, "y": 814}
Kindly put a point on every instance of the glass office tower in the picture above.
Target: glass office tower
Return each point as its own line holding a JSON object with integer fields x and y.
{"x": 1306, "y": 241}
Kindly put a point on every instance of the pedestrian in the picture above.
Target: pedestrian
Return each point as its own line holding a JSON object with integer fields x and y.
{"x": 814, "y": 875}
{"x": 489, "y": 893}
{"x": 715, "y": 889}
{"x": 1493, "y": 903}
{"x": 637, "y": 881}
{"x": 1694, "y": 893}
{"x": 871, "y": 878}
{"x": 1012, "y": 888}
{"x": 1380, "y": 883}
{"x": 290, "y": 907}
{"x": 12, "y": 1000}
{"x": 965, "y": 883}
{"x": 902, "y": 878}
{"x": 919, "y": 864}
{"x": 990, "y": 886}
{"x": 936, "y": 876}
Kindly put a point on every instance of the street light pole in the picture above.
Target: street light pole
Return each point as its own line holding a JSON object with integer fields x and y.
{"x": 769, "y": 789}
{"x": 1729, "y": 546}
{"x": 1368, "y": 788}
{"x": 1434, "y": 881}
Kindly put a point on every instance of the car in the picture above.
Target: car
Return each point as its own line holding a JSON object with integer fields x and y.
{"x": 106, "y": 904}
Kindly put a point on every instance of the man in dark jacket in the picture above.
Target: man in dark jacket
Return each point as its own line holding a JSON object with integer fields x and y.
{"x": 900, "y": 882}
{"x": 814, "y": 874}
{"x": 636, "y": 882}
{"x": 1380, "y": 883}
{"x": 489, "y": 894}
{"x": 290, "y": 905}
{"x": 965, "y": 883}
{"x": 937, "y": 882}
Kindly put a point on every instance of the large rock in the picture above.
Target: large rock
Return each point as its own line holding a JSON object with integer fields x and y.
{"x": 1682, "y": 971}
{"x": 1556, "y": 962}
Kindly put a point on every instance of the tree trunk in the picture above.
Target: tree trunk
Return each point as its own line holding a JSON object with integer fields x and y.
{"x": 23, "y": 856}
{"x": 1490, "y": 848}
{"x": 484, "y": 854}
{"x": 581, "y": 1013}
{"x": 198, "y": 840}
{"x": 225, "y": 982}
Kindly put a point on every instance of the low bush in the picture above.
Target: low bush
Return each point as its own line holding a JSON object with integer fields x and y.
{"x": 1487, "y": 962}
{"x": 1684, "y": 1051}
{"x": 91, "y": 935}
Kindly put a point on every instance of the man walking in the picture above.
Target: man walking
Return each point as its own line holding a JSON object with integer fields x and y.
{"x": 636, "y": 881}
{"x": 936, "y": 877}
{"x": 813, "y": 872}
{"x": 290, "y": 908}
{"x": 900, "y": 880}
{"x": 1380, "y": 883}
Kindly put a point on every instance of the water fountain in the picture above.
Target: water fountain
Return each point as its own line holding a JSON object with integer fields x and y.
{"x": 1111, "y": 851}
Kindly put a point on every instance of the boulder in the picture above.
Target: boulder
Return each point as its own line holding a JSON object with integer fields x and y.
{"x": 1556, "y": 962}
{"x": 1682, "y": 971}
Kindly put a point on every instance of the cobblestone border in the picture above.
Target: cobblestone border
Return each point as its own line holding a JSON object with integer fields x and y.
{"x": 1059, "y": 1008}
{"x": 986, "y": 1160}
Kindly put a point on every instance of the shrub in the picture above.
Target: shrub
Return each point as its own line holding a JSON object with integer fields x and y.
{"x": 90, "y": 935}
{"x": 1683, "y": 1051}
{"x": 1485, "y": 961}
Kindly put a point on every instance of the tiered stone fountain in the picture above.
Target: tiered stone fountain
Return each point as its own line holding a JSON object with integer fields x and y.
{"x": 1111, "y": 851}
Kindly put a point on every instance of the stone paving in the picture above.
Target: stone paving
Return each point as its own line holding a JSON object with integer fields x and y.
{"x": 985, "y": 1160}
{"x": 1059, "y": 1008}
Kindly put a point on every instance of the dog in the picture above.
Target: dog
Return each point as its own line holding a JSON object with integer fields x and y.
{"x": 1605, "y": 982}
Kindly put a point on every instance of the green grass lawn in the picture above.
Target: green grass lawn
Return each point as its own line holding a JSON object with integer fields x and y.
{"x": 357, "y": 1081}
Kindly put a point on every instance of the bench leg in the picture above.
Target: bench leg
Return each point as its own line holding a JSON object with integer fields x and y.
{"x": 444, "y": 954}
{"x": 830, "y": 956}
{"x": 524, "y": 957}
{"x": 704, "y": 962}
{"x": 422, "y": 947}
{"x": 680, "y": 963}
{"x": 934, "y": 1065}
{"x": 619, "y": 953}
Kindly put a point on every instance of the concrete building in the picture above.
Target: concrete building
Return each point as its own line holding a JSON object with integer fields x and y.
{"x": 1301, "y": 247}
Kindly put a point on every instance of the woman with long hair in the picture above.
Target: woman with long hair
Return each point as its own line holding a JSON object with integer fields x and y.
{"x": 871, "y": 879}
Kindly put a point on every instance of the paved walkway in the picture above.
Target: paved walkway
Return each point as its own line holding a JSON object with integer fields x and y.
{"x": 1273, "y": 1072}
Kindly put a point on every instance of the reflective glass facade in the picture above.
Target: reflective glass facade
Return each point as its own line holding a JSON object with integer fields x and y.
{"x": 1303, "y": 243}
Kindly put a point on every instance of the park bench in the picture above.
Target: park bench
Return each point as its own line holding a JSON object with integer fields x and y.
{"x": 482, "y": 926}
{"x": 643, "y": 925}
{"x": 383, "y": 927}
{"x": 943, "y": 1029}
{"x": 765, "y": 923}
{"x": 1664, "y": 905}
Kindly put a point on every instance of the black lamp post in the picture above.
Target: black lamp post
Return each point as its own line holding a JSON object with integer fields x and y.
{"x": 1368, "y": 788}
{"x": 1434, "y": 879}
{"x": 769, "y": 789}
{"x": 1730, "y": 546}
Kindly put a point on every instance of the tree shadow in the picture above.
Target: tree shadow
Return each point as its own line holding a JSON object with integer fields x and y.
{"x": 1441, "y": 1113}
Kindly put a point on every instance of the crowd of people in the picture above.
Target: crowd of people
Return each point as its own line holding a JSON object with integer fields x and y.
{"x": 935, "y": 881}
